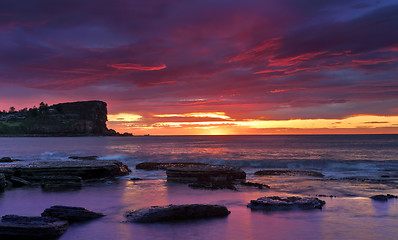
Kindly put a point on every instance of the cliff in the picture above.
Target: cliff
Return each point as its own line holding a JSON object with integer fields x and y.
{"x": 86, "y": 118}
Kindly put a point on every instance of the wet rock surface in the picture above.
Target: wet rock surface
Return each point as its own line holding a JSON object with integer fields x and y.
{"x": 18, "y": 182}
{"x": 164, "y": 166}
{"x": 32, "y": 228}
{"x": 253, "y": 184}
{"x": 289, "y": 172}
{"x": 8, "y": 160}
{"x": 3, "y": 183}
{"x": 383, "y": 197}
{"x": 58, "y": 183}
{"x": 62, "y": 174}
{"x": 71, "y": 214}
{"x": 176, "y": 213}
{"x": 206, "y": 173}
{"x": 85, "y": 169}
{"x": 285, "y": 203}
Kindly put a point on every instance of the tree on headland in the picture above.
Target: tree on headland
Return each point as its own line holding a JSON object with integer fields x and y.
{"x": 43, "y": 107}
{"x": 12, "y": 110}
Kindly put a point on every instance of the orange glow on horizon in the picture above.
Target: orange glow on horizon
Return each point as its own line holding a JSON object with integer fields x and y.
{"x": 228, "y": 126}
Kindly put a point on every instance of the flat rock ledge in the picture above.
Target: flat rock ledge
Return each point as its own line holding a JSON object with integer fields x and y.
{"x": 62, "y": 173}
{"x": 176, "y": 213}
{"x": 71, "y": 214}
{"x": 285, "y": 203}
{"x": 383, "y": 197}
{"x": 32, "y": 228}
{"x": 163, "y": 166}
{"x": 207, "y": 173}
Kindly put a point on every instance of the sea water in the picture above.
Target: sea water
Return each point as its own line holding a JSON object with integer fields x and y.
{"x": 355, "y": 168}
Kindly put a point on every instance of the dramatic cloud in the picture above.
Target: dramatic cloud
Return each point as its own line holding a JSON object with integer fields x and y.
{"x": 132, "y": 66}
{"x": 216, "y": 61}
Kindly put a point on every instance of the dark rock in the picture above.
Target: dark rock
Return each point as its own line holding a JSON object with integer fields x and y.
{"x": 18, "y": 182}
{"x": 21, "y": 227}
{"x": 204, "y": 173}
{"x": 84, "y": 157}
{"x": 285, "y": 203}
{"x": 164, "y": 166}
{"x": 86, "y": 169}
{"x": 71, "y": 214}
{"x": 8, "y": 160}
{"x": 176, "y": 213}
{"x": 289, "y": 172}
{"x": 213, "y": 185}
{"x": 385, "y": 176}
{"x": 3, "y": 183}
{"x": 383, "y": 197}
{"x": 55, "y": 183}
{"x": 126, "y": 134}
{"x": 136, "y": 179}
{"x": 252, "y": 184}
{"x": 323, "y": 195}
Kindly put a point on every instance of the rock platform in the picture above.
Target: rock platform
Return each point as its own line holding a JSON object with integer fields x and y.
{"x": 176, "y": 213}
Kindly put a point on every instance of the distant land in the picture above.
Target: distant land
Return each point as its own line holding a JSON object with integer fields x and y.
{"x": 85, "y": 118}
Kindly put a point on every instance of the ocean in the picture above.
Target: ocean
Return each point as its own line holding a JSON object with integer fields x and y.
{"x": 355, "y": 167}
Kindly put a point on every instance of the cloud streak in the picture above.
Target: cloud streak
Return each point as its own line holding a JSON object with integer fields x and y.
{"x": 134, "y": 66}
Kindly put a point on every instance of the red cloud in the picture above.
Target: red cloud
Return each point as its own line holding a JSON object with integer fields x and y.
{"x": 133, "y": 66}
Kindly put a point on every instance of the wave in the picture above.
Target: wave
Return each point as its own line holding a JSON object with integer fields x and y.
{"x": 320, "y": 164}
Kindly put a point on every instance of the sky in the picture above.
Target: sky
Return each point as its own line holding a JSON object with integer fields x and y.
{"x": 213, "y": 67}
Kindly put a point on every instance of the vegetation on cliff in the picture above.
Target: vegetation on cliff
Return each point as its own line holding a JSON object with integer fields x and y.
{"x": 63, "y": 119}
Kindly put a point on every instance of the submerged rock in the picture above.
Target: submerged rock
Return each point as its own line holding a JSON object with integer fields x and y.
{"x": 164, "y": 166}
{"x": 71, "y": 214}
{"x": 383, "y": 197}
{"x": 285, "y": 203}
{"x": 289, "y": 172}
{"x": 213, "y": 185}
{"x": 206, "y": 173}
{"x": 252, "y": 184}
{"x": 176, "y": 213}
{"x": 21, "y": 227}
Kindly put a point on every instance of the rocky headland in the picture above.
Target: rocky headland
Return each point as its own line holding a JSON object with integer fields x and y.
{"x": 85, "y": 118}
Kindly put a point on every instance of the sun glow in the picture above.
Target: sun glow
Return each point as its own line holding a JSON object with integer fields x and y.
{"x": 218, "y": 123}
{"x": 124, "y": 117}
